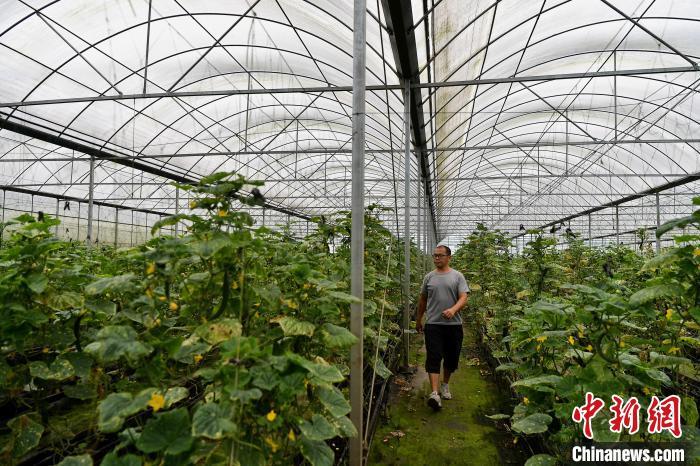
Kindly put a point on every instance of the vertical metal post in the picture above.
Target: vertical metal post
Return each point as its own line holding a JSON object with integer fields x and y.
{"x": 590, "y": 232}
{"x": 357, "y": 233}
{"x": 658, "y": 223}
{"x": 615, "y": 91}
{"x": 116, "y": 226}
{"x": 31, "y": 208}
{"x": 58, "y": 205}
{"x": 419, "y": 208}
{"x": 77, "y": 233}
{"x": 177, "y": 208}
{"x": 3, "y": 205}
{"x": 263, "y": 209}
{"x": 407, "y": 221}
{"x": 91, "y": 195}
{"x": 617, "y": 224}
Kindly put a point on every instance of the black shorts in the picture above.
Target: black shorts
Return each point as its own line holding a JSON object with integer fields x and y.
{"x": 443, "y": 343}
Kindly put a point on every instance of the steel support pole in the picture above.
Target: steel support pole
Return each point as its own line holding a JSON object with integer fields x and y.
{"x": 58, "y": 205}
{"x": 407, "y": 223}
{"x": 177, "y": 208}
{"x": 617, "y": 224}
{"x": 91, "y": 196}
{"x": 116, "y": 227}
{"x": 357, "y": 233}
{"x": 419, "y": 208}
{"x": 658, "y": 223}
{"x": 590, "y": 234}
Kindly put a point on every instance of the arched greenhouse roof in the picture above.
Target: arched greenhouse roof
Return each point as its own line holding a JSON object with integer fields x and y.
{"x": 521, "y": 113}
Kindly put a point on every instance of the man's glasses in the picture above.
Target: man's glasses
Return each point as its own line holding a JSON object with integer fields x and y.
{"x": 439, "y": 256}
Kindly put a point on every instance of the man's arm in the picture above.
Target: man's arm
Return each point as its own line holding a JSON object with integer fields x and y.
{"x": 422, "y": 304}
{"x": 461, "y": 302}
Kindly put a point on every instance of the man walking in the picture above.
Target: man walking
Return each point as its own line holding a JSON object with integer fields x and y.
{"x": 443, "y": 294}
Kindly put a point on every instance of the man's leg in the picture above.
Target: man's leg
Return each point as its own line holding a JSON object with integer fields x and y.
{"x": 433, "y": 349}
{"x": 452, "y": 341}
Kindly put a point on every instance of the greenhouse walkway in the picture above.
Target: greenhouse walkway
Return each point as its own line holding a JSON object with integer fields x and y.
{"x": 459, "y": 434}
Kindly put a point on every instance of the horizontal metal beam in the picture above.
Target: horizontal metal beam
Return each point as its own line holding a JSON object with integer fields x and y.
{"x": 16, "y": 189}
{"x": 104, "y": 155}
{"x": 368, "y": 151}
{"x": 623, "y": 200}
{"x": 375, "y": 87}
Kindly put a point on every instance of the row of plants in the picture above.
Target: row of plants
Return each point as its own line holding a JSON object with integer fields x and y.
{"x": 609, "y": 321}
{"x": 226, "y": 345}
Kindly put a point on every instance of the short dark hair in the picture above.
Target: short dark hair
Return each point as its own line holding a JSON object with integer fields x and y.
{"x": 447, "y": 249}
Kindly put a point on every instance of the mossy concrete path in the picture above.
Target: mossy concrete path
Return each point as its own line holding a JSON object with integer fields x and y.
{"x": 459, "y": 434}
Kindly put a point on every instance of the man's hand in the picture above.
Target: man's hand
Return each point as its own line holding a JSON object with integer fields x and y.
{"x": 419, "y": 327}
{"x": 448, "y": 313}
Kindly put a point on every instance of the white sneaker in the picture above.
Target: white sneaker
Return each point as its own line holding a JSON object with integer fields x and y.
{"x": 445, "y": 392}
{"x": 434, "y": 401}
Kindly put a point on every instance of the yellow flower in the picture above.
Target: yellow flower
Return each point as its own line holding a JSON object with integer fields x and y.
{"x": 589, "y": 347}
{"x": 580, "y": 334}
{"x": 307, "y": 286}
{"x": 151, "y": 269}
{"x": 673, "y": 350}
{"x": 622, "y": 344}
{"x": 222, "y": 213}
{"x": 193, "y": 204}
{"x": 538, "y": 347}
{"x": 234, "y": 285}
{"x": 542, "y": 339}
{"x": 198, "y": 358}
{"x": 173, "y": 306}
{"x": 291, "y": 436}
{"x": 696, "y": 252}
{"x": 149, "y": 292}
{"x": 45, "y": 350}
{"x": 257, "y": 314}
{"x": 291, "y": 303}
{"x": 272, "y": 444}
{"x": 646, "y": 391}
{"x": 571, "y": 340}
{"x": 271, "y": 416}
{"x": 526, "y": 401}
{"x": 156, "y": 402}
{"x": 669, "y": 313}
{"x": 162, "y": 298}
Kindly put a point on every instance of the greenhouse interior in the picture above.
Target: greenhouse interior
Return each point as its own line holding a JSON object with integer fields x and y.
{"x": 219, "y": 220}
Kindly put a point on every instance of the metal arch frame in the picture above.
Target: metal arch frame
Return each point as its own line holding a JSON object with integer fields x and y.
{"x": 95, "y": 45}
{"x": 552, "y": 36}
{"x": 570, "y": 143}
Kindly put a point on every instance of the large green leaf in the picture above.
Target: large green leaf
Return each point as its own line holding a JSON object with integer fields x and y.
{"x": 533, "y": 424}
{"x": 212, "y": 421}
{"x": 539, "y": 380}
{"x": 651, "y": 293}
{"x": 541, "y": 460}
{"x": 677, "y": 223}
{"x": 318, "y": 429}
{"x": 116, "y": 341}
{"x": 219, "y": 331}
{"x": 60, "y": 369}
{"x": 333, "y": 400}
{"x": 37, "y": 282}
{"x": 168, "y": 432}
{"x": 26, "y": 434}
{"x": 111, "y": 459}
{"x": 81, "y": 460}
{"x": 381, "y": 370}
{"x": 116, "y": 284}
{"x": 317, "y": 452}
{"x": 689, "y": 410}
{"x": 110, "y": 415}
{"x": 337, "y": 337}
{"x": 293, "y": 327}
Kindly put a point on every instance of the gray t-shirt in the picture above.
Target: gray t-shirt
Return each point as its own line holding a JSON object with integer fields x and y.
{"x": 442, "y": 290}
